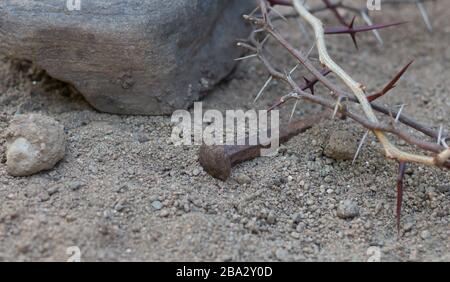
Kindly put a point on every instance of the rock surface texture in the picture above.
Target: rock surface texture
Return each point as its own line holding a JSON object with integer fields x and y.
{"x": 128, "y": 56}
{"x": 34, "y": 143}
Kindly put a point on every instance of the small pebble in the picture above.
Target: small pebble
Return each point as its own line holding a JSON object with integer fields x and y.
{"x": 44, "y": 197}
{"x": 243, "y": 179}
{"x": 53, "y": 190}
{"x": 120, "y": 206}
{"x": 298, "y": 217}
{"x": 379, "y": 207}
{"x": 425, "y": 234}
{"x": 157, "y": 205}
{"x": 252, "y": 225}
{"x": 164, "y": 213}
{"x": 282, "y": 254}
{"x": 347, "y": 209}
{"x": 300, "y": 227}
{"x": 271, "y": 219}
{"x": 75, "y": 185}
{"x": 142, "y": 138}
{"x": 408, "y": 226}
{"x": 295, "y": 235}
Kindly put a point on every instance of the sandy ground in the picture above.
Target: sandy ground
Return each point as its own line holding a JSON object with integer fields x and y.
{"x": 124, "y": 192}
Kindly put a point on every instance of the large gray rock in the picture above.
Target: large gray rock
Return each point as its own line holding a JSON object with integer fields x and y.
{"x": 128, "y": 56}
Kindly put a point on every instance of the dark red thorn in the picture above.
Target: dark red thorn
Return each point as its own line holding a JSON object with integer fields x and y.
{"x": 400, "y": 180}
{"x": 308, "y": 82}
{"x": 309, "y": 85}
{"x": 352, "y": 23}
{"x": 335, "y": 11}
{"x": 280, "y": 2}
{"x": 391, "y": 85}
{"x": 352, "y": 30}
{"x": 353, "y": 34}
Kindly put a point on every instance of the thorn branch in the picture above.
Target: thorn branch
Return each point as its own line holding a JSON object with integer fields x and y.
{"x": 435, "y": 154}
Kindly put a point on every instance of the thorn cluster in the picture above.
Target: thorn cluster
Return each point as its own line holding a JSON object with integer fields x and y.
{"x": 438, "y": 154}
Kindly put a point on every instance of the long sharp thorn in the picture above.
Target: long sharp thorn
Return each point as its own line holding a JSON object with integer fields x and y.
{"x": 293, "y": 110}
{"x": 278, "y": 13}
{"x": 391, "y": 85}
{"x": 399, "y": 114}
{"x": 246, "y": 57}
{"x": 254, "y": 11}
{"x": 441, "y": 130}
{"x": 424, "y": 14}
{"x": 294, "y": 69}
{"x": 361, "y": 144}
{"x": 263, "y": 88}
{"x": 289, "y": 77}
{"x": 336, "y": 109}
{"x": 311, "y": 49}
{"x": 354, "y": 40}
{"x": 246, "y": 46}
{"x": 369, "y": 22}
{"x": 400, "y": 180}
{"x": 264, "y": 40}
